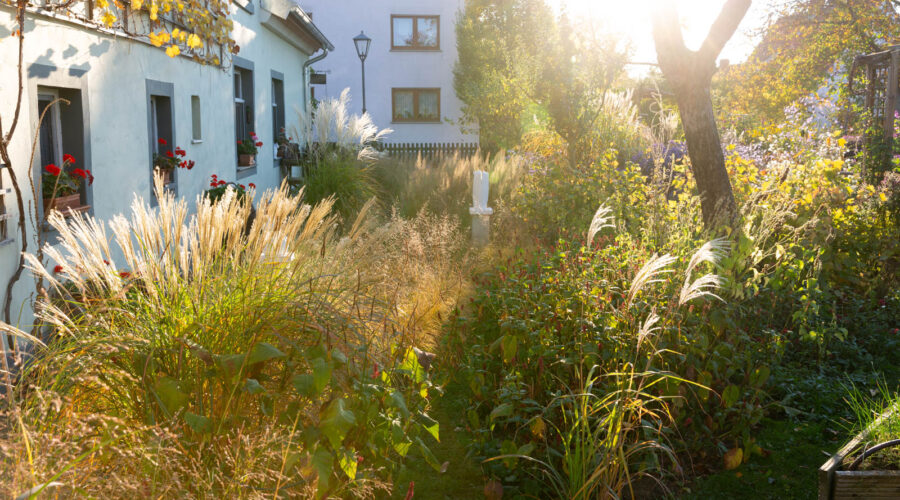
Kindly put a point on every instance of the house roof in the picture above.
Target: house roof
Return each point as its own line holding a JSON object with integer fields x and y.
{"x": 295, "y": 18}
{"x": 303, "y": 18}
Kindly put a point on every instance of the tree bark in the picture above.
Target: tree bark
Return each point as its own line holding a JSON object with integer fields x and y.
{"x": 705, "y": 150}
{"x": 690, "y": 74}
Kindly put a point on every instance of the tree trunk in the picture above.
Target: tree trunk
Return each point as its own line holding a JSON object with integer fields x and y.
{"x": 690, "y": 73}
{"x": 705, "y": 149}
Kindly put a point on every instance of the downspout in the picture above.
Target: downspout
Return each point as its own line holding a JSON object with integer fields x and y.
{"x": 306, "y": 65}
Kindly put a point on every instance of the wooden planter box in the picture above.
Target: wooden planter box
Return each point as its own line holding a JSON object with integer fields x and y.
{"x": 66, "y": 204}
{"x": 246, "y": 160}
{"x": 838, "y": 484}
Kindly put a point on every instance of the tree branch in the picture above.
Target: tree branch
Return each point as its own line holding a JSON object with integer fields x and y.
{"x": 723, "y": 29}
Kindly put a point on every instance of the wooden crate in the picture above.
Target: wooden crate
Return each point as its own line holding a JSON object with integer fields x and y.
{"x": 837, "y": 484}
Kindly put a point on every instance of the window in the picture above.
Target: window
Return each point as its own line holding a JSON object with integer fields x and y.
{"x": 277, "y": 110}
{"x": 417, "y": 105}
{"x": 196, "y": 126}
{"x": 61, "y": 135}
{"x": 161, "y": 137}
{"x": 415, "y": 32}
{"x": 243, "y": 104}
{"x": 161, "y": 134}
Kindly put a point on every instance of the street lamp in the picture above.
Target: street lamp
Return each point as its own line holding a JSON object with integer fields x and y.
{"x": 362, "y": 43}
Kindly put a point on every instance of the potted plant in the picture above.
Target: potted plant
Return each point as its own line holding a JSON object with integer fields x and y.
{"x": 61, "y": 185}
{"x": 869, "y": 465}
{"x": 247, "y": 150}
{"x": 168, "y": 160}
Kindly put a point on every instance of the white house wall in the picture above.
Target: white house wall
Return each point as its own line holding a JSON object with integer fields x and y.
{"x": 342, "y": 20}
{"x": 113, "y": 71}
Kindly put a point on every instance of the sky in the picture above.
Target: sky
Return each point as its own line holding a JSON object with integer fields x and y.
{"x": 631, "y": 18}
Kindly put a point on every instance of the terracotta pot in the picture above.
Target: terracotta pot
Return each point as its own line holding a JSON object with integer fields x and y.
{"x": 246, "y": 160}
{"x": 168, "y": 176}
{"x": 63, "y": 203}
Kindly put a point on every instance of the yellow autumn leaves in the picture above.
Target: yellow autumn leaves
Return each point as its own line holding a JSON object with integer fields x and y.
{"x": 177, "y": 36}
{"x": 204, "y": 25}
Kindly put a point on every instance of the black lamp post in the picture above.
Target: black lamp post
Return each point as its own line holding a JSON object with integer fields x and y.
{"x": 362, "y": 43}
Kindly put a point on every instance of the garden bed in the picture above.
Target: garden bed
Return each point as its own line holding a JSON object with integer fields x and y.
{"x": 839, "y": 479}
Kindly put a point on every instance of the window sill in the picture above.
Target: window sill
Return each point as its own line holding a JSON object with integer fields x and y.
{"x": 196, "y": 141}
{"x": 243, "y": 172}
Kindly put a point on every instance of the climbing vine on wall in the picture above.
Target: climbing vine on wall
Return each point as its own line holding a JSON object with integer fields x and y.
{"x": 199, "y": 29}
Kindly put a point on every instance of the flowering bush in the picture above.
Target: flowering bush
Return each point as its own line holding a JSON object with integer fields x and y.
{"x": 64, "y": 181}
{"x": 218, "y": 188}
{"x": 249, "y": 146}
{"x": 171, "y": 159}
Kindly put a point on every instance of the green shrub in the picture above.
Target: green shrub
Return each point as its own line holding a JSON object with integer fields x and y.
{"x": 214, "y": 360}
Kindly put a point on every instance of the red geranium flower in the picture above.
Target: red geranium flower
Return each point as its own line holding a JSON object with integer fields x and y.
{"x": 180, "y": 152}
{"x": 67, "y": 158}
{"x": 106, "y": 262}
{"x": 53, "y": 169}
{"x": 222, "y": 183}
{"x": 212, "y": 184}
{"x": 170, "y": 154}
{"x": 125, "y": 274}
{"x": 57, "y": 269}
{"x": 252, "y": 134}
{"x": 258, "y": 144}
{"x": 252, "y": 186}
{"x": 90, "y": 177}
{"x": 162, "y": 142}
{"x": 80, "y": 173}
{"x": 243, "y": 187}
{"x": 239, "y": 142}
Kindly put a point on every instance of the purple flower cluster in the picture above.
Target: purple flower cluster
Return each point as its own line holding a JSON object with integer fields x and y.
{"x": 674, "y": 152}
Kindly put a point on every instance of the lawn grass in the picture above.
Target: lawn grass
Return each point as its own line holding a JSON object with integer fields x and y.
{"x": 463, "y": 478}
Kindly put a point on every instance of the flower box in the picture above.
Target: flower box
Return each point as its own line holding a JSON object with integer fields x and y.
{"x": 246, "y": 160}
{"x": 65, "y": 204}
{"x": 838, "y": 480}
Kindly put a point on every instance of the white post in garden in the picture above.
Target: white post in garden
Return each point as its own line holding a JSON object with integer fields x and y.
{"x": 481, "y": 213}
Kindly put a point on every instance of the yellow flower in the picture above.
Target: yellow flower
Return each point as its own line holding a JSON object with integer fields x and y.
{"x": 153, "y": 11}
{"x": 173, "y": 51}
{"x": 108, "y": 18}
{"x": 136, "y": 4}
{"x": 194, "y": 42}
{"x": 102, "y": 4}
{"x": 158, "y": 39}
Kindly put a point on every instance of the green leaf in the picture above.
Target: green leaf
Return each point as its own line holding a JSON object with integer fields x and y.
{"x": 199, "y": 423}
{"x": 431, "y": 425}
{"x": 323, "y": 462}
{"x": 252, "y": 386}
{"x": 759, "y": 377}
{"x": 231, "y": 363}
{"x": 267, "y": 405}
{"x": 428, "y": 455}
{"x": 305, "y": 385}
{"x": 411, "y": 364}
{"x": 509, "y": 346}
{"x": 264, "y": 351}
{"x": 170, "y": 395}
{"x": 730, "y": 395}
{"x": 503, "y": 410}
{"x": 399, "y": 402}
{"x": 348, "y": 464}
{"x": 321, "y": 373}
{"x": 336, "y": 421}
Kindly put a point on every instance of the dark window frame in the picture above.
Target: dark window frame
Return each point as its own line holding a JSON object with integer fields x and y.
{"x": 161, "y": 94}
{"x": 416, "y": 47}
{"x": 278, "y": 107}
{"x": 416, "y": 118}
{"x": 248, "y": 105}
